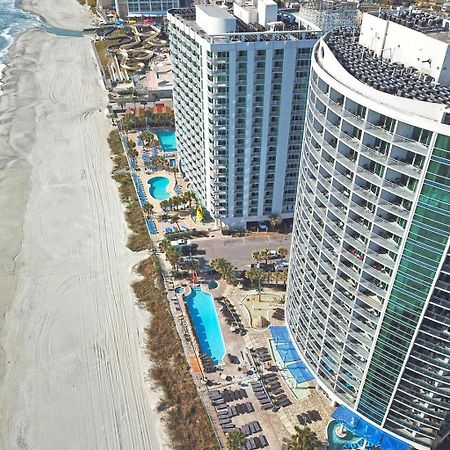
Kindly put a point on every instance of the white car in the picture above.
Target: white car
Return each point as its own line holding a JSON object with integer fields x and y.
{"x": 180, "y": 243}
{"x": 283, "y": 265}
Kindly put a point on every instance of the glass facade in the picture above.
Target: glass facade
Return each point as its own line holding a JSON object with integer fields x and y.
{"x": 424, "y": 249}
{"x": 371, "y": 230}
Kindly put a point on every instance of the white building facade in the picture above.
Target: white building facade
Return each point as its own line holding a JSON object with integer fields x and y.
{"x": 240, "y": 84}
{"x": 147, "y": 7}
{"x": 368, "y": 301}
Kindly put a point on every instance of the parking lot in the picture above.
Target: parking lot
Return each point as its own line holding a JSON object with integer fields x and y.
{"x": 238, "y": 250}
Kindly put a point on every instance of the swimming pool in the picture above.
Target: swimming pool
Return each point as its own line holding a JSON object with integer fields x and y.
{"x": 167, "y": 140}
{"x": 158, "y": 188}
{"x": 337, "y": 443}
{"x": 206, "y": 323}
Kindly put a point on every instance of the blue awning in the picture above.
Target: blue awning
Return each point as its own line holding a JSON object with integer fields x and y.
{"x": 280, "y": 334}
{"x": 391, "y": 443}
{"x": 287, "y": 353}
{"x": 347, "y": 417}
{"x": 300, "y": 372}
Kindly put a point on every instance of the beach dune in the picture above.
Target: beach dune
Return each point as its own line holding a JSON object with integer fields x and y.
{"x": 72, "y": 367}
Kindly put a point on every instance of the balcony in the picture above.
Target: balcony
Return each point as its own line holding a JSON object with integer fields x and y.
{"x": 347, "y": 161}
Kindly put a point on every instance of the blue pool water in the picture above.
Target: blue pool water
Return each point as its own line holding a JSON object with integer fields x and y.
{"x": 336, "y": 443}
{"x": 207, "y": 327}
{"x": 158, "y": 188}
{"x": 167, "y": 140}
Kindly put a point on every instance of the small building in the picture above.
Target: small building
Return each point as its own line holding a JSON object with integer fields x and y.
{"x": 159, "y": 80}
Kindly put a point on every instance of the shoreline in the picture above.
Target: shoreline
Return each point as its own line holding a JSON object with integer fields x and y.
{"x": 73, "y": 336}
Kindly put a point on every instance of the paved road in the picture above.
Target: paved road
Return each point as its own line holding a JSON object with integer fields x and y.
{"x": 239, "y": 250}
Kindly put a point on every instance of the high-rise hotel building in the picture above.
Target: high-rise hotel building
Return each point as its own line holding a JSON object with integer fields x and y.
{"x": 368, "y": 300}
{"x": 240, "y": 86}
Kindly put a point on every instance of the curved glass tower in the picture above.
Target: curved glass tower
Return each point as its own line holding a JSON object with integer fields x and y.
{"x": 368, "y": 301}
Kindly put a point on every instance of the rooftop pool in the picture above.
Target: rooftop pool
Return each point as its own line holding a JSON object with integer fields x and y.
{"x": 204, "y": 317}
{"x": 158, "y": 188}
{"x": 167, "y": 140}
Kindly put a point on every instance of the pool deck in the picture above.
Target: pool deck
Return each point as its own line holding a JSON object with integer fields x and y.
{"x": 186, "y": 219}
{"x": 277, "y": 426}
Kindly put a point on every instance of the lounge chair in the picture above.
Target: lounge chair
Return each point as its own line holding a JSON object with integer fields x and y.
{"x": 263, "y": 440}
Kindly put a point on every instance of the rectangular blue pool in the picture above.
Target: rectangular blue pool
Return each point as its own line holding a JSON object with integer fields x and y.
{"x": 167, "y": 140}
{"x": 204, "y": 317}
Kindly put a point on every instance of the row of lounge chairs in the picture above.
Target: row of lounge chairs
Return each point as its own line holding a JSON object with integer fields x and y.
{"x": 146, "y": 159}
{"x": 251, "y": 428}
{"x": 139, "y": 189}
{"x": 277, "y": 394}
{"x": 232, "y": 318}
{"x": 151, "y": 226}
{"x": 261, "y": 395}
{"x": 230, "y": 396}
{"x": 225, "y": 414}
{"x": 225, "y": 411}
{"x": 309, "y": 417}
{"x": 262, "y": 354}
{"x": 255, "y": 442}
{"x": 207, "y": 363}
{"x": 133, "y": 162}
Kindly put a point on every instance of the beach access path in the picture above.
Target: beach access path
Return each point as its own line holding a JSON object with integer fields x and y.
{"x": 73, "y": 374}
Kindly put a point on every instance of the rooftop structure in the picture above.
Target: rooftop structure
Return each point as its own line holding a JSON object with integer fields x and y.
{"x": 160, "y": 79}
{"x": 327, "y": 15}
{"x": 369, "y": 282}
{"x": 240, "y": 86}
{"x": 147, "y": 7}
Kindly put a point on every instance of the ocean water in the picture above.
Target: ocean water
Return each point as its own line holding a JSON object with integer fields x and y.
{"x": 13, "y": 21}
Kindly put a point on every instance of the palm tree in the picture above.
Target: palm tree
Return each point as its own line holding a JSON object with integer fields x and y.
{"x": 304, "y": 439}
{"x": 257, "y": 256}
{"x": 224, "y": 267}
{"x": 265, "y": 254}
{"x": 235, "y": 440}
{"x": 283, "y": 276}
{"x": 148, "y": 209}
{"x": 256, "y": 275}
{"x": 165, "y": 245}
{"x": 147, "y": 136}
{"x": 282, "y": 252}
{"x": 274, "y": 220}
{"x": 175, "y": 219}
{"x": 132, "y": 153}
{"x": 170, "y": 203}
{"x": 164, "y": 204}
{"x": 176, "y": 201}
{"x": 173, "y": 255}
{"x": 174, "y": 170}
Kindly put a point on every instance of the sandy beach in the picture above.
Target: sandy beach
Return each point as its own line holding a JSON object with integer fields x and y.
{"x": 72, "y": 366}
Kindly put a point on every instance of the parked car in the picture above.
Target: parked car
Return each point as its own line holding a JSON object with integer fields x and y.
{"x": 283, "y": 265}
{"x": 180, "y": 243}
{"x": 273, "y": 254}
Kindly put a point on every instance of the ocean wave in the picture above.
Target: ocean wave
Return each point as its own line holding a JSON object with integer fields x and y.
{"x": 13, "y": 21}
